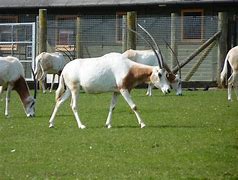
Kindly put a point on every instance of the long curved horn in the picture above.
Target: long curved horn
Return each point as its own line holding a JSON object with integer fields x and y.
{"x": 157, "y": 47}
{"x": 142, "y": 37}
{"x": 64, "y": 53}
{"x": 176, "y": 58}
{"x": 35, "y": 83}
{"x": 69, "y": 53}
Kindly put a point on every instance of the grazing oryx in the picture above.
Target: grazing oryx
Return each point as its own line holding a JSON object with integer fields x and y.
{"x": 112, "y": 72}
{"x": 49, "y": 63}
{"x": 12, "y": 78}
{"x": 148, "y": 57}
{"x": 232, "y": 59}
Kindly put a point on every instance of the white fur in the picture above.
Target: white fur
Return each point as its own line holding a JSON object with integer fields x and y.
{"x": 11, "y": 71}
{"x": 49, "y": 63}
{"x": 148, "y": 57}
{"x": 108, "y": 73}
{"x": 232, "y": 58}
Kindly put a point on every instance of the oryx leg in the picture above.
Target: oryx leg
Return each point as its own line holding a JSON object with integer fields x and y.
{"x": 111, "y": 108}
{"x": 75, "y": 95}
{"x": 52, "y": 83}
{"x": 43, "y": 82}
{"x": 8, "y": 95}
{"x": 1, "y": 91}
{"x": 149, "y": 90}
{"x": 59, "y": 102}
{"x": 229, "y": 89}
{"x": 127, "y": 97}
{"x": 235, "y": 84}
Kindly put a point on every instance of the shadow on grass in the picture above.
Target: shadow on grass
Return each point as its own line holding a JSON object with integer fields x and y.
{"x": 177, "y": 126}
{"x": 148, "y": 126}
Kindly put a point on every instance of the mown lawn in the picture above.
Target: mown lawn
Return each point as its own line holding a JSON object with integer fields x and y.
{"x": 193, "y": 136}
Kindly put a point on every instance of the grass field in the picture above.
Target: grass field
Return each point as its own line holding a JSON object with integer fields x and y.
{"x": 190, "y": 137}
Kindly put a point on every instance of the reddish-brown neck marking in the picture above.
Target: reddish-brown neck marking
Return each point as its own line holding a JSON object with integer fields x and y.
{"x": 135, "y": 76}
{"x": 22, "y": 89}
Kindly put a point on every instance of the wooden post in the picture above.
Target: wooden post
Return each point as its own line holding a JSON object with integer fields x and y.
{"x": 173, "y": 39}
{"x": 42, "y": 30}
{"x": 42, "y": 34}
{"x": 78, "y": 34}
{"x": 131, "y": 24}
{"x": 222, "y": 43}
{"x": 124, "y": 38}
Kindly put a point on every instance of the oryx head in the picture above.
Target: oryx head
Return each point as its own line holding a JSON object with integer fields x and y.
{"x": 30, "y": 107}
{"x": 31, "y": 101}
{"x": 176, "y": 84}
{"x": 159, "y": 74}
{"x": 158, "y": 78}
{"x": 174, "y": 76}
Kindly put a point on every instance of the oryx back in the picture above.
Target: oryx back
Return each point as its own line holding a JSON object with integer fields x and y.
{"x": 10, "y": 69}
{"x": 96, "y": 75}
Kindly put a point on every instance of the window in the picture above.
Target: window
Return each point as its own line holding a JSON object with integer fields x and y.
{"x": 192, "y": 25}
{"x": 6, "y": 32}
{"x": 119, "y": 25}
{"x": 66, "y": 32}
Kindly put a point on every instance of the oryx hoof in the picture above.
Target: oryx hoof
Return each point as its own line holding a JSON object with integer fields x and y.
{"x": 51, "y": 126}
{"x": 82, "y": 126}
{"x": 142, "y": 125}
{"x": 108, "y": 126}
{"x": 148, "y": 94}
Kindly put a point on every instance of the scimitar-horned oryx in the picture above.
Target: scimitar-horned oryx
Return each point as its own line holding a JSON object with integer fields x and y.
{"x": 232, "y": 59}
{"x": 12, "y": 77}
{"x": 49, "y": 63}
{"x": 109, "y": 73}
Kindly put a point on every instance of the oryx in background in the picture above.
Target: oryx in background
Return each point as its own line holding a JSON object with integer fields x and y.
{"x": 232, "y": 59}
{"x": 49, "y": 63}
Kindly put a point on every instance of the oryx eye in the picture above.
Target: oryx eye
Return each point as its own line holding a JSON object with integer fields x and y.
{"x": 159, "y": 74}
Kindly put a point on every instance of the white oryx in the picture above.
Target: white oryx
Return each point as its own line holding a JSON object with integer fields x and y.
{"x": 12, "y": 78}
{"x": 49, "y": 63}
{"x": 232, "y": 59}
{"x": 148, "y": 57}
{"x": 112, "y": 72}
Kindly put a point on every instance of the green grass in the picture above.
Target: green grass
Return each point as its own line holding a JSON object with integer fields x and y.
{"x": 190, "y": 137}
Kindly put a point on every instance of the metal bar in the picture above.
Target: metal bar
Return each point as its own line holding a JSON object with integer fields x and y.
{"x": 195, "y": 53}
{"x": 33, "y": 49}
{"x": 13, "y": 44}
{"x": 14, "y": 24}
{"x": 16, "y": 42}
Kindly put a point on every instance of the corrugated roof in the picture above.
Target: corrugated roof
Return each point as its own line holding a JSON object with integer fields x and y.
{"x": 82, "y": 3}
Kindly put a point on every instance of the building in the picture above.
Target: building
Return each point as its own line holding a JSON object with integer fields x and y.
{"x": 188, "y": 23}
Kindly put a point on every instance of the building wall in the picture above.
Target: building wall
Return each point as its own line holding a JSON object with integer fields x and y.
{"x": 100, "y": 31}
